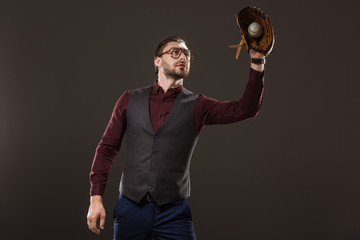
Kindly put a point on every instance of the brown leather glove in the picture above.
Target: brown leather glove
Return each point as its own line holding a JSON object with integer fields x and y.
{"x": 263, "y": 43}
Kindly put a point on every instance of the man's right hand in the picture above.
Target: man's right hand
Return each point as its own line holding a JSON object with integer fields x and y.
{"x": 96, "y": 211}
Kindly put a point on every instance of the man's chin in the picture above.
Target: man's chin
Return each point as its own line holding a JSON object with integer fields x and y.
{"x": 183, "y": 73}
{"x": 179, "y": 75}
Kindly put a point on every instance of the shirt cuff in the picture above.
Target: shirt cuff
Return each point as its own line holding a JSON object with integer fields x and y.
{"x": 97, "y": 189}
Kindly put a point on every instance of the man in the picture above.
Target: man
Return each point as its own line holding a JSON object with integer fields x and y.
{"x": 162, "y": 123}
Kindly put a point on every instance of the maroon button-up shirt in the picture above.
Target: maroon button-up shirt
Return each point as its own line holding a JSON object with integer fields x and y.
{"x": 208, "y": 111}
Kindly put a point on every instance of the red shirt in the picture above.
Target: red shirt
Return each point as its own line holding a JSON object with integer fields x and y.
{"x": 208, "y": 111}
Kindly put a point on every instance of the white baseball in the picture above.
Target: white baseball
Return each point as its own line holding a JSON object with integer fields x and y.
{"x": 255, "y": 29}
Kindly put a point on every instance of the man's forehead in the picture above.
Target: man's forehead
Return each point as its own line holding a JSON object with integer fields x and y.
{"x": 175, "y": 44}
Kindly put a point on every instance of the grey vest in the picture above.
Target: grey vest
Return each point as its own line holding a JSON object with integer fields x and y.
{"x": 158, "y": 162}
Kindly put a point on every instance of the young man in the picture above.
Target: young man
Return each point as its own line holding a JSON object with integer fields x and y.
{"x": 162, "y": 124}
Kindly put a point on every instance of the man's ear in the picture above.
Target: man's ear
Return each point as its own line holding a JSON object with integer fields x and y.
{"x": 157, "y": 61}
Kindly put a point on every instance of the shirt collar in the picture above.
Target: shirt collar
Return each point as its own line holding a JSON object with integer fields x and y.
{"x": 172, "y": 91}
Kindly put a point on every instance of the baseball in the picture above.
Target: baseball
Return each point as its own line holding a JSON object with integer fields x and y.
{"x": 255, "y": 29}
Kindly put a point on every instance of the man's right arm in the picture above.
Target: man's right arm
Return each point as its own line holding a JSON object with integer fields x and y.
{"x": 109, "y": 146}
{"x": 107, "y": 149}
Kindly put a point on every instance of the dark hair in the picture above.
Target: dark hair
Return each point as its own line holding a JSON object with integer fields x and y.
{"x": 162, "y": 45}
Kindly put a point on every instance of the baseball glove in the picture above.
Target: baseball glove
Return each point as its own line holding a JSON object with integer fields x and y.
{"x": 263, "y": 43}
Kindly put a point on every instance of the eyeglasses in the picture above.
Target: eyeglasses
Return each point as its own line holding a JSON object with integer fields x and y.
{"x": 176, "y": 53}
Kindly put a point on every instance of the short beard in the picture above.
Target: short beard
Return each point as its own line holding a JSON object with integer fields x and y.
{"x": 173, "y": 72}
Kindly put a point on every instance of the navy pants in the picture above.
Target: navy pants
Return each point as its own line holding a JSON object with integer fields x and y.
{"x": 146, "y": 221}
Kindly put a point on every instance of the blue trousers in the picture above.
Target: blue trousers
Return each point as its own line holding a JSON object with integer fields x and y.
{"x": 146, "y": 221}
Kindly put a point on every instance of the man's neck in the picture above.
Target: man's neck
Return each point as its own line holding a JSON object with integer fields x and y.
{"x": 166, "y": 83}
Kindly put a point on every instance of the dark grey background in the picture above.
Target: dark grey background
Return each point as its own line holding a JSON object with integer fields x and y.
{"x": 291, "y": 173}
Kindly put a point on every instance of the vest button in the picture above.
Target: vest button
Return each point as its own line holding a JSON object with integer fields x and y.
{"x": 152, "y": 170}
{"x": 149, "y": 187}
{"x": 157, "y": 137}
{"x": 155, "y": 153}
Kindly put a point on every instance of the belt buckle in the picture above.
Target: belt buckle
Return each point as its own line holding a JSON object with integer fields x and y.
{"x": 148, "y": 197}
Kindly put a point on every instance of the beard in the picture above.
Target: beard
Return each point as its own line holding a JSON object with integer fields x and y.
{"x": 173, "y": 72}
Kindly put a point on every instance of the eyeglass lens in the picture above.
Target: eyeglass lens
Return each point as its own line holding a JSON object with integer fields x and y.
{"x": 176, "y": 52}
